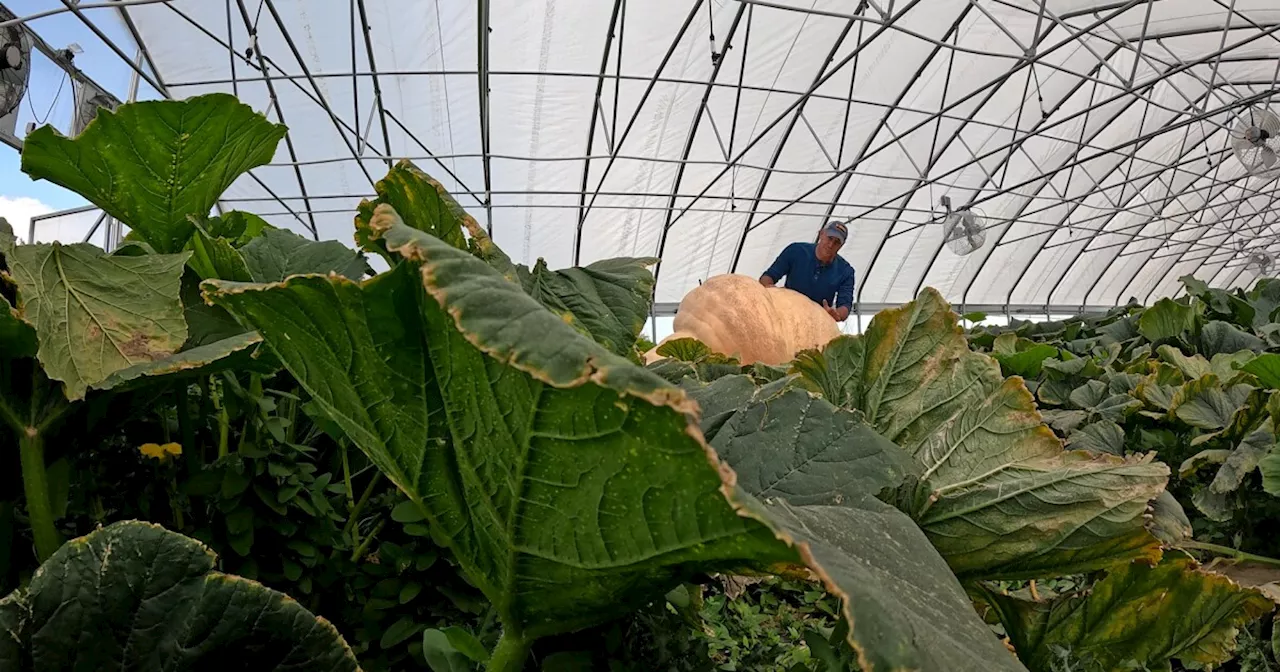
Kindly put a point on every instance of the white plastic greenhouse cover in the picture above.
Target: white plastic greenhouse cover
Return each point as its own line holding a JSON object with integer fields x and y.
{"x": 1092, "y": 136}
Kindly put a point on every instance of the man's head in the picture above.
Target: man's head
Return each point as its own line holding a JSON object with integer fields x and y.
{"x": 831, "y": 240}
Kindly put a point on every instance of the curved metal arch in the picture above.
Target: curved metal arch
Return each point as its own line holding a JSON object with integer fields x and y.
{"x": 1271, "y": 204}
{"x": 964, "y": 99}
{"x": 1173, "y": 124}
{"x": 884, "y": 120}
{"x": 1234, "y": 208}
{"x": 786, "y": 133}
{"x": 998, "y": 150}
{"x": 693, "y": 132}
{"x": 591, "y": 130}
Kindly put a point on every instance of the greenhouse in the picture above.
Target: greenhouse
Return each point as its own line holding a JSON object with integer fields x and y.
{"x": 691, "y": 335}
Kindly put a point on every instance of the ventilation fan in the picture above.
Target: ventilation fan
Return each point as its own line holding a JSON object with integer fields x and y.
{"x": 1262, "y": 262}
{"x": 89, "y": 99}
{"x": 15, "y": 70}
{"x": 964, "y": 230}
{"x": 1256, "y": 139}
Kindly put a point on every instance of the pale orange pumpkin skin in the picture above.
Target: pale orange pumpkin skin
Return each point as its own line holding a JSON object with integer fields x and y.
{"x": 737, "y": 316}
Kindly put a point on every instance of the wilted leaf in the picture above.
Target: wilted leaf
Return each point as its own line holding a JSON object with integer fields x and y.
{"x": 985, "y": 452}
{"x": 152, "y": 164}
{"x": 96, "y": 314}
{"x": 608, "y": 300}
{"x": 1202, "y": 459}
{"x": 1167, "y": 319}
{"x": 278, "y": 254}
{"x": 1205, "y": 404}
{"x": 424, "y": 204}
{"x": 1137, "y": 614}
{"x": 1169, "y": 522}
{"x": 816, "y": 469}
{"x": 234, "y": 353}
{"x": 1103, "y": 436}
{"x": 136, "y": 596}
{"x": 1213, "y": 500}
{"x": 1064, "y": 421}
{"x": 1096, "y": 398}
{"x": 1191, "y": 367}
{"x": 1226, "y": 338}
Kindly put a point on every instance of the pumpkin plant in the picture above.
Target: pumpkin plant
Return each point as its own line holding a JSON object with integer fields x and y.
{"x": 77, "y": 322}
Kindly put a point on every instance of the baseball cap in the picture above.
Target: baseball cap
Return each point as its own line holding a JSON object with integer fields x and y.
{"x": 836, "y": 229}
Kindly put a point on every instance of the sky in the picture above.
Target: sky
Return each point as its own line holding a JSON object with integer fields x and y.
{"x": 50, "y": 100}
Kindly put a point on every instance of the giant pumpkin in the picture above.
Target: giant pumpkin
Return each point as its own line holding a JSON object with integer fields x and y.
{"x": 735, "y": 315}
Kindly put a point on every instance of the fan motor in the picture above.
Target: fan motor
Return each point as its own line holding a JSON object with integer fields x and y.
{"x": 10, "y": 57}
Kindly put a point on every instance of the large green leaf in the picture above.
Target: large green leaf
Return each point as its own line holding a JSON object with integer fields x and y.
{"x": 999, "y": 497}
{"x": 134, "y": 596}
{"x": 1103, "y": 436}
{"x": 1138, "y": 617}
{"x": 278, "y": 254}
{"x": 565, "y": 479}
{"x": 152, "y": 164}
{"x": 96, "y": 314}
{"x": 1096, "y": 398}
{"x": 1021, "y": 357}
{"x": 1206, "y": 404}
{"x": 608, "y": 300}
{"x": 1166, "y": 320}
{"x": 1225, "y": 338}
{"x": 1266, "y": 368}
{"x": 817, "y": 469}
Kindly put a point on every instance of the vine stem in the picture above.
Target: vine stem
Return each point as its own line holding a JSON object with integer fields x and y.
{"x": 510, "y": 653}
{"x": 36, "y": 485}
{"x": 1232, "y": 553}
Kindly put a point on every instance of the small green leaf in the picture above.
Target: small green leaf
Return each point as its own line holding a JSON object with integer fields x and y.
{"x": 152, "y": 164}
{"x": 400, "y": 631}
{"x": 441, "y": 655}
{"x": 685, "y": 350}
{"x": 215, "y": 258}
{"x": 407, "y": 511}
{"x": 409, "y": 591}
{"x": 467, "y": 644}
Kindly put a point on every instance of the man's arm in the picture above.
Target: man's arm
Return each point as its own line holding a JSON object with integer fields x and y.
{"x": 844, "y": 299}
{"x": 779, "y": 269}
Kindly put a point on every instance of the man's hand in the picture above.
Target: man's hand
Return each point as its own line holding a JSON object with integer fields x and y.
{"x": 837, "y": 314}
{"x": 766, "y": 281}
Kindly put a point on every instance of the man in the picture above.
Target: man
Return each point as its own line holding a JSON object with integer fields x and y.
{"x": 817, "y": 271}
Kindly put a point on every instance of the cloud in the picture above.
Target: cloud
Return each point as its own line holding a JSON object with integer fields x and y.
{"x": 19, "y": 211}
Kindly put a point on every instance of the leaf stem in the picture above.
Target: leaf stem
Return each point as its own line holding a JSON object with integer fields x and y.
{"x": 224, "y": 420}
{"x": 35, "y": 481}
{"x": 1233, "y": 553}
{"x": 352, "y": 516}
{"x": 364, "y": 545}
{"x": 510, "y": 653}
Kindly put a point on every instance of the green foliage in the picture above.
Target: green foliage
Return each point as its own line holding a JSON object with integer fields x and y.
{"x": 154, "y": 164}
{"x": 136, "y": 596}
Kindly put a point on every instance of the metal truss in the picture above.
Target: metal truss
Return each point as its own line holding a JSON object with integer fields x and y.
{"x": 1161, "y": 214}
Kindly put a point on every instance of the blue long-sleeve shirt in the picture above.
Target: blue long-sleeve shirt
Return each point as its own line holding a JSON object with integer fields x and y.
{"x": 820, "y": 282}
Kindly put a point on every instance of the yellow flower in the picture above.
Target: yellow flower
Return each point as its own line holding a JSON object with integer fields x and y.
{"x": 159, "y": 452}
